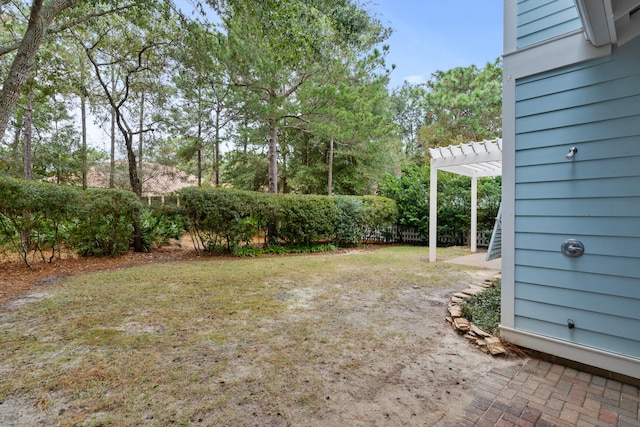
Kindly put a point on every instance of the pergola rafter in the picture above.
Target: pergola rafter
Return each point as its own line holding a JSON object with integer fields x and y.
{"x": 476, "y": 160}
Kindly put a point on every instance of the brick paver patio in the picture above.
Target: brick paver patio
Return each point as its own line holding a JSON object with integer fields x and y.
{"x": 543, "y": 394}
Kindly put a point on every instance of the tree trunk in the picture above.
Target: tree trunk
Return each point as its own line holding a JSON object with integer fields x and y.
{"x": 23, "y": 65}
{"x": 17, "y": 134}
{"x": 27, "y": 161}
{"x": 199, "y": 138}
{"x": 134, "y": 179}
{"x": 127, "y": 134}
{"x": 273, "y": 158}
{"x": 112, "y": 155}
{"x": 83, "y": 120}
{"x": 245, "y": 138}
{"x": 284, "y": 185}
{"x": 199, "y": 148}
{"x": 199, "y": 163}
{"x": 330, "y": 172}
{"x": 27, "y": 164}
{"x": 141, "y": 140}
{"x": 83, "y": 114}
{"x": 136, "y": 186}
{"x": 216, "y": 151}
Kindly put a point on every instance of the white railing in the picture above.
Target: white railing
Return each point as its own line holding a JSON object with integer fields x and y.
{"x": 391, "y": 235}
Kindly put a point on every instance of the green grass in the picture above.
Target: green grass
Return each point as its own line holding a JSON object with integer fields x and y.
{"x": 214, "y": 342}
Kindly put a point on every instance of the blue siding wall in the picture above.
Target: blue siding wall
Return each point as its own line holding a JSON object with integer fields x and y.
{"x": 594, "y": 198}
{"x": 540, "y": 20}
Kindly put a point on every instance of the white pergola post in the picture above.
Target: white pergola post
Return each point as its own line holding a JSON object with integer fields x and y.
{"x": 433, "y": 212}
{"x": 475, "y": 160}
{"x": 474, "y": 214}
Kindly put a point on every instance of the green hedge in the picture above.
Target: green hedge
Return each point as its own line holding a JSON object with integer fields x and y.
{"x": 303, "y": 219}
{"x": 40, "y": 217}
{"x": 160, "y": 224}
{"x": 34, "y": 216}
{"x": 349, "y": 226}
{"x": 104, "y": 224}
{"x": 47, "y": 218}
{"x": 222, "y": 219}
{"x": 379, "y": 212}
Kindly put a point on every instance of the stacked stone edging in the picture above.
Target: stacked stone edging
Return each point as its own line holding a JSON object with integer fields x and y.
{"x": 485, "y": 341}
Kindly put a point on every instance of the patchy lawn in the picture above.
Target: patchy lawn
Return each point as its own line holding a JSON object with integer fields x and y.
{"x": 352, "y": 338}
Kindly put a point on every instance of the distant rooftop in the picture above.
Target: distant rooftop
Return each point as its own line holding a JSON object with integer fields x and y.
{"x": 156, "y": 179}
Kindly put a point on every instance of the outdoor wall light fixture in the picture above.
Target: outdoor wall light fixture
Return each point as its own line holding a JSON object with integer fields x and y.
{"x": 572, "y": 153}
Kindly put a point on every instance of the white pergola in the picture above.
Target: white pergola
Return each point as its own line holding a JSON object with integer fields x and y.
{"x": 476, "y": 160}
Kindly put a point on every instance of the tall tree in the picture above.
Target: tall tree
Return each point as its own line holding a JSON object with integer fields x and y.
{"x": 133, "y": 46}
{"x": 408, "y": 103}
{"x": 207, "y": 104}
{"x": 41, "y": 16}
{"x": 275, "y": 47}
{"x": 126, "y": 52}
{"x": 45, "y": 19}
{"x": 349, "y": 141}
{"x": 82, "y": 93}
{"x": 43, "y": 116}
{"x": 463, "y": 104}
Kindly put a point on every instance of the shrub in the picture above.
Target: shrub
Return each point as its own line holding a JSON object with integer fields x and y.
{"x": 224, "y": 219}
{"x": 411, "y": 192}
{"x": 304, "y": 219}
{"x": 105, "y": 222}
{"x": 489, "y": 198}
{"x": 349, "y": 226}
{"x": 158, "y": 226}
{"x": 380, "y": 213}
{"x": 40, "y": 216}
{"x": 483, "y": 309}
{"x": 252, "y": 251}
{"x": 35, "y": 216}
{"x": 220, "y": 219}
{"x": 454, "y": 207}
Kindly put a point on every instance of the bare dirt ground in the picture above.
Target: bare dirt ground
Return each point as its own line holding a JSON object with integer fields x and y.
{"x": 429, "y": 384}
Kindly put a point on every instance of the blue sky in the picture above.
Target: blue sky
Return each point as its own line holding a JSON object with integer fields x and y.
{"x": 431, "y": 35}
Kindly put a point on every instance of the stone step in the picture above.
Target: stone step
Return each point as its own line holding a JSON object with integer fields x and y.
{"x": 461, "y": 324}
{"x": 494, "y": 346}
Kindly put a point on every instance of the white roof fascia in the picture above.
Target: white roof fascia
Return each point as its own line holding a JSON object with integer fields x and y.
{"x": 622, "y": 8}
{"x": 609, "y": 21}
{"x": 628, "y": 29}
{"x": 597, "y": 21}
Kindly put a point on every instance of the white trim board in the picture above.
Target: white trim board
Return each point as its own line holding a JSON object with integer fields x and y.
{"x": 558, "y": 52}
{"x": 508, "y": 199}
{"x": 613, "y": 362}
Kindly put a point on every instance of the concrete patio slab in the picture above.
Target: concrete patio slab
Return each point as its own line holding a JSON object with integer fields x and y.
{"x": 477, "y": 260}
